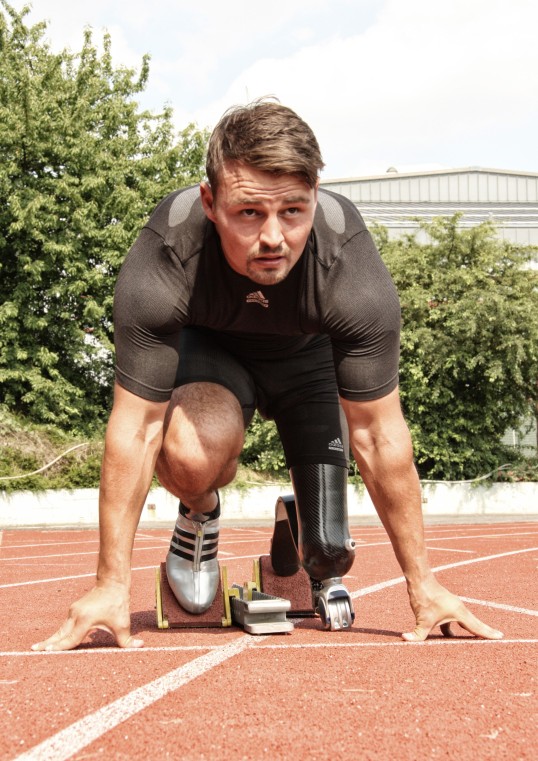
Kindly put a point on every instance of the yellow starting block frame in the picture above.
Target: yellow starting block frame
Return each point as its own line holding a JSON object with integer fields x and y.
{"x": 247, "y": 606}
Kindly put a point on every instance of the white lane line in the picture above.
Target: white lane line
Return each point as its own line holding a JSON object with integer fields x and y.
{"x": 444, "y": 641}
{"x": 358, "y": 593}
{"x": 65, "y": 578}
{"x": 109, "y": 650}
{"x": 500, "y": 606}
{"x": 328, "y": 645}
{"x": 166, "y": 540}
{"x": 482, "y": 559}
{"x": 71, "y": 554}
{"x": 506, "y": 528}
{"x": 48, "y": 544}
{"x": 480, "y": 536}
{"x": 69, "y": 741}
{"x": 400, "y": 579}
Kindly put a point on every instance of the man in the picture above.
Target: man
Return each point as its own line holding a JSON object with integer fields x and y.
{"x": 255, "y": 290}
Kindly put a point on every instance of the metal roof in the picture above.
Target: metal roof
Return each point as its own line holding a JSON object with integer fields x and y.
{"x": 396, "y": 200}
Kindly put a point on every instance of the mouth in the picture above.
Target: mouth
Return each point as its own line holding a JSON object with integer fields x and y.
{"x": 269, "y": 260}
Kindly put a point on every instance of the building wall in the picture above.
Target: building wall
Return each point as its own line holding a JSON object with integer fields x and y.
{"x": 510, "y": 199}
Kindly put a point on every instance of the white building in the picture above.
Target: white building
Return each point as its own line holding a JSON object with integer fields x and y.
{"x": 510, "y": 199}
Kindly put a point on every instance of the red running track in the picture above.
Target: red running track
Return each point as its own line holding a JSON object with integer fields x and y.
{"x": 206, "y": 694}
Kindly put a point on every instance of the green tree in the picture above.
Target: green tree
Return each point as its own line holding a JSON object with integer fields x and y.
{"x": 469, "y": 362}
{"x": 82, "y": 167}
{"x": 263, "y": 449}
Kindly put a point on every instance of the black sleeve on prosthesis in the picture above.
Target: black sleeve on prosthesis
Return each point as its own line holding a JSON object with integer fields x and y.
{"x": 325, "y": 547}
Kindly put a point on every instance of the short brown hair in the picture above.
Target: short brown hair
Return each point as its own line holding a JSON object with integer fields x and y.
{"x": 266, "y": 136}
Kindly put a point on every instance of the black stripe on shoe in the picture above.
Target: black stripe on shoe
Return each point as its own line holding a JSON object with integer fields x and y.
{"x": 208, "y": 544}
{"x": 189, "y": 556}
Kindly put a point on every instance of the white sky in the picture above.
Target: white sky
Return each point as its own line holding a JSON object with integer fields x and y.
{"x": 414, "y": 84}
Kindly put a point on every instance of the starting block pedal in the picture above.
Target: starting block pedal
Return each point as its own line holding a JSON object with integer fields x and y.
{"x": 257, "y": 612}
{"x": 296, "y": 588}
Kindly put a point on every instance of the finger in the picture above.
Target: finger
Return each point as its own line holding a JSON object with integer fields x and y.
{"x": 474, "y": 625}
{"x": 65, "y": 630}
{"x": 131, "y": 642}
{"x": 418, "y": 634}
{"x": 123, "y": 636}
{"x": 67, "y": 637}
{"x": 466, "y": 620}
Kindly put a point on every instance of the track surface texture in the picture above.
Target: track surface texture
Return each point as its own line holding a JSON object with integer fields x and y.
{"x": 196, "y": 694}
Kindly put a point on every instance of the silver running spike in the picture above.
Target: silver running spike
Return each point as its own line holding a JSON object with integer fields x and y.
{"x": 191, "y": 564}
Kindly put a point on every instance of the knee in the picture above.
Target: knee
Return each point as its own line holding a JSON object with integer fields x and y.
{"x": 327, "y": 561}
{"x": 325, "y": 546}
{"x": 202, "y": 441}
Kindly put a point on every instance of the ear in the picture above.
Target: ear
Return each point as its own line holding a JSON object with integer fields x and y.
{"x": 208, "y": 201}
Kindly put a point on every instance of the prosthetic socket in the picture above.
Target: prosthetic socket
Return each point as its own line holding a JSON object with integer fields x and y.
{"x": 316, "y": 533}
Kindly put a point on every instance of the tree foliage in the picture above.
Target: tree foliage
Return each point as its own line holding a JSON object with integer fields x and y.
{"x": 82, "y": 167}
{"x": 263, "y": 449}
{"x": 469, "y": 350}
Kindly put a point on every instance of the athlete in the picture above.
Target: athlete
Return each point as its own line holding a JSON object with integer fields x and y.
{"x": 256, "y": 290}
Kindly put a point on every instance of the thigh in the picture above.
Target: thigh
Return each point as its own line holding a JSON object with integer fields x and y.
{"x": 204, "y": 360}
{"x": 298, "y": 390}
{"x": 314, "y": 432}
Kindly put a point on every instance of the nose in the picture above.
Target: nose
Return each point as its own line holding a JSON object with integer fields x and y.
{"x": 271, "y": 235}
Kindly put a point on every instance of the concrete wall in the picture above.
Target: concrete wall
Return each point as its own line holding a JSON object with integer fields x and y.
{"x": 79, "y": 508}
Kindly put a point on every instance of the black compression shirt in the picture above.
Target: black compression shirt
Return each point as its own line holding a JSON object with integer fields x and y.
{"x": 176, "y": 275}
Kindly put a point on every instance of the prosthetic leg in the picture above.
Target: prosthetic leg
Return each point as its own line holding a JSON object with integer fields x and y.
{"x": 313, "y": 534}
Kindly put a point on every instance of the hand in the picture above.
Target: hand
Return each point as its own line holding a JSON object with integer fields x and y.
{"x": 105, "y": 607}
{"x": 433, "y": 605}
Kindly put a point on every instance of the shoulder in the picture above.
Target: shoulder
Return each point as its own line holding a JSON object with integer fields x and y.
{"x": 336, "y": 223}
{"x": 179, "y": 217}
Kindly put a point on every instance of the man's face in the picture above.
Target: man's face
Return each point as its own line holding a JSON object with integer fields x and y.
{"x": 263, "y": 220}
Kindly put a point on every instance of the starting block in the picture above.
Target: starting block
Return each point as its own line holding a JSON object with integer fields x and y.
{"x": 256, "y": 610}
{"x": 171, "y": 615}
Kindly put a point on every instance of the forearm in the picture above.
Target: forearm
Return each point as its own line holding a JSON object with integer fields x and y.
{"x": 128, "y": 467}
{"x": 394, "y": 487}
{"x": 382, "y": 447}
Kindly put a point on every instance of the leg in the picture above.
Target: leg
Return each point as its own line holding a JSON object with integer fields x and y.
{"x": 203, "y": 436}
{"x": 324, "y": 546}
{"x": 202, "y": 441}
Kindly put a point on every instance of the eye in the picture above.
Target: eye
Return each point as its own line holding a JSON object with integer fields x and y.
{"x": 249, "y": 212}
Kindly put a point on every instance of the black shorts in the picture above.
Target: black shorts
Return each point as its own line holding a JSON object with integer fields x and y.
{"x": 291, "y": 381}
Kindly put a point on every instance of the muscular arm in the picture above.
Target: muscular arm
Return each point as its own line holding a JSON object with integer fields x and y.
{"x": 133, "y": 440}
{"x": 381, "y": 445}
{"x": 132, "y": 443}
